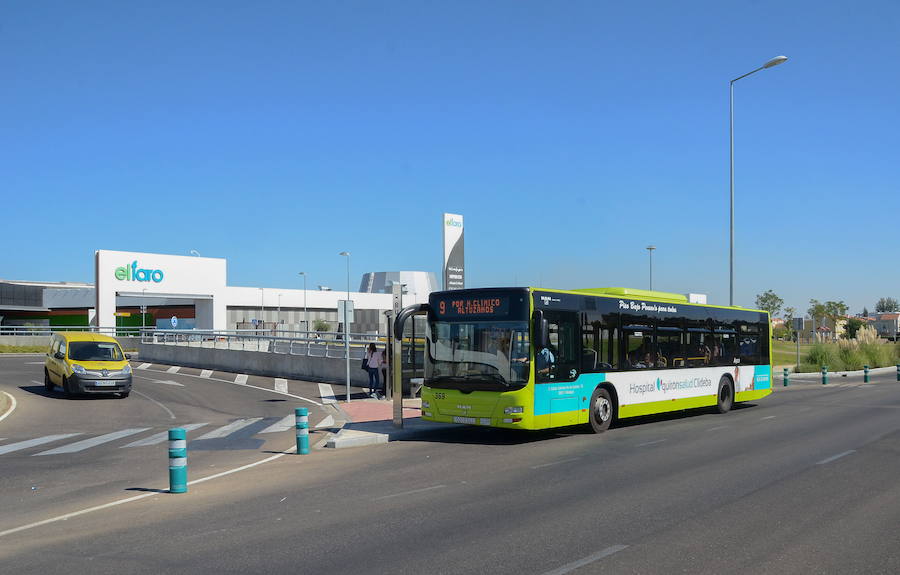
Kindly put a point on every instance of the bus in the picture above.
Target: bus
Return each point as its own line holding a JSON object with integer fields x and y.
{"x": 533, "y": 358}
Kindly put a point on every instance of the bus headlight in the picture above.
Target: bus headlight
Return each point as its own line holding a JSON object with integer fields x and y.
{"x": 426, "y": 404}
{"x": 426, "y": 413}
{"x": 516, "y": 409}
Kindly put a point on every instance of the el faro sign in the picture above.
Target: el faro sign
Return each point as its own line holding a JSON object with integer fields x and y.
{"x": 134, "y": 273}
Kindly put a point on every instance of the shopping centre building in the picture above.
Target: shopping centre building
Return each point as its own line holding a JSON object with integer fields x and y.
{"x": 187, "y": 292}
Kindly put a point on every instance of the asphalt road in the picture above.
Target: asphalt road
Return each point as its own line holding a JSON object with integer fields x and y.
{"x": 804, "y": 481}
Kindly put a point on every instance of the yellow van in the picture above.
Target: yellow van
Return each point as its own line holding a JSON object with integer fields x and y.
{"x": 86, "y": 362}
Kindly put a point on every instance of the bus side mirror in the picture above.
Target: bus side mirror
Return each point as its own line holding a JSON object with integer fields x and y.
{"x": 541, "y": 330}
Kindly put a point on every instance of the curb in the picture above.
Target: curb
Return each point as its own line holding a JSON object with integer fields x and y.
{"x": 381, "y": 432}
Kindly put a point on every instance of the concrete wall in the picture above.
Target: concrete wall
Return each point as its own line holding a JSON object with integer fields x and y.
{"x": 324, "y": 369}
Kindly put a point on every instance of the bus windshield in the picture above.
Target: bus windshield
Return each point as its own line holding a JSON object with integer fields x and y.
{"x": 478, "y": 355}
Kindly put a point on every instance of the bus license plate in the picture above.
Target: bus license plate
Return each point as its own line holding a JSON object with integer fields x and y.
{"x": 469, "y": 420}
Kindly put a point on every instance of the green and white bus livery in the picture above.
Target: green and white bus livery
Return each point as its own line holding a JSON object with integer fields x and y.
{"x": 528, "y": 358}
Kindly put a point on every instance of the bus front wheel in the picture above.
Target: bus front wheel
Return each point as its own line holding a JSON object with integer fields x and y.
{"x": 601, "y": 410}
{"x": 726, "y": 395}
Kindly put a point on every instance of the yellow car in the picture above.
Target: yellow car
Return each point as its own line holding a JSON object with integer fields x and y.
{"x": 85, "y": 362}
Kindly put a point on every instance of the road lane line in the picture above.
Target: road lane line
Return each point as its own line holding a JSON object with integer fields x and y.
{"x": 424, "y": 489}
{"x": 160, "y": 437}
{"x": 288, "y": 451}
{"x": 33, "y": 442}
{"x": 767, "y": 417}
{"x": 144, "y": 366}
{"x": 228, "y": 429}
{"x": 34, "y": 363}
{"x": 555, "y": 463}
{"x": 12, "y": 405}
{"x": 582, "y": 562}
{"x": 285, "y": 423}
{"x": 241, "y": 379}
{"x": 173, "y": 369}
{"x": 835, "y": 457}
{"x": 327, "y": 393}
{"x": 169, "y": 411}
{"x": 717, "y": 428}
{"x": 206, "y": 373}
{"x": 281, "y": 385}
{"x": 93, "y": 442}
{"x": 651, "y": 443}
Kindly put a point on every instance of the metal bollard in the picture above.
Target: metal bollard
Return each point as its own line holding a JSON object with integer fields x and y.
{"x": 177, "y": 460}
{"x": 824, "y": 375}
{"x": 865, "y": 374}
{"x": 786, "y": 375}
{"x": 301, "y": 415}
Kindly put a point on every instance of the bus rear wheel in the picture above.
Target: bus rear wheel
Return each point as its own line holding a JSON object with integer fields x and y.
{"x": 725, "y": 398}
{"x": 602, "y": 410}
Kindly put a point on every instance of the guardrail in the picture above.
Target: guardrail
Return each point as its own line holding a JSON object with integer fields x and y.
{"x": 46, "y": 330}
{"x": 310, "y": 344}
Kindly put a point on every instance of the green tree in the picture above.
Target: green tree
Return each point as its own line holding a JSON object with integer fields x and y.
{"x": 887, "y": 305}
{"x": 853, "y": 325}
{"x": 789, "y": 313}
{"x": 835, "y": 311}
{"x": 770, "y": 302}
{"x": 816, "y": 312}
{"x": 865, "y": 312}
{"x": 321, "y": 325}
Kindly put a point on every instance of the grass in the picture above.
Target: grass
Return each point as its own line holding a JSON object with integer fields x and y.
{"x": 23, "y": 348}
{"x": 785, "y": 352}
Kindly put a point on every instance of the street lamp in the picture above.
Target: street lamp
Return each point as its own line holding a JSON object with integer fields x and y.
{"x": 262, "y": 307}
{"x": 650, "y": 251}
{"x": 305, "y": 318}
{"x": 346, "y": 324}
{"x": 773, "y": 62}
{"x": 143, "y": 309}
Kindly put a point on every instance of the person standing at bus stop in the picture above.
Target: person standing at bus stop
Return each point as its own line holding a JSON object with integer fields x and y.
{"x": 374, "y": 359}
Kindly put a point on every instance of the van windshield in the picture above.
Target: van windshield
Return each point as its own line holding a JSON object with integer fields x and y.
{"x": 94, "y": 351}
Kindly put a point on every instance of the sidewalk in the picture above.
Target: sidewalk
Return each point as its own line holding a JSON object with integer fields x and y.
{"x": 371, "y": 422}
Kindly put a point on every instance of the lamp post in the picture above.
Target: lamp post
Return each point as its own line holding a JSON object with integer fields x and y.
{"x": 346, "y": 325}
{"x": 773, "y": 62}
{"x": 650, "y": 251}
{"x": 143, "y": 309}
{"x": 262, "y": 307}
{"x": 278, "y": 317}
{"x": 305, "y": 318}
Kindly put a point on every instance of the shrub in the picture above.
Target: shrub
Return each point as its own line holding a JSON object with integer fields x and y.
{"x": 321, "y": 325}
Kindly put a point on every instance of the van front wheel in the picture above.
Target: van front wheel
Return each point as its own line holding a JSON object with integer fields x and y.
{"x": 48, "y": 385}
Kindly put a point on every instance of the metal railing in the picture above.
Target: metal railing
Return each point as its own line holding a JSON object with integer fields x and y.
{"x": 47, "y": 330}
{"x": 310, "y": 344}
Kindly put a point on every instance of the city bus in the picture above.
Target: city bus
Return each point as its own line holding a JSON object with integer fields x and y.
{"x": 532, "y": 358}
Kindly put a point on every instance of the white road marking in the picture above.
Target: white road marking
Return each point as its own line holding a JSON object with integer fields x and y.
{"x": 555, "y": 463}
{"x": 93, "y": 442}
{"x": 229, "y": 429}
{"x": 327, "y": 422}
{"x": 34, "y": 363}
{"x": 241, "y": 379}
{"x": 12, "y": 406}
{"x": 582, "y": 562}
{"x": 281, "y": 385}
{"x": 287, "y": 422}
{"x": 157, "y": 438}
{"x": 651, "y": 442}
{"x": 834, "y": 457}
{"x": 33, "y": 442}
{"x": 206, "y": 373}
{"x": 717, "y": 428}
{"x": 142, "y": 495}
{"x": 327, "y": 393}
{"x": 432, "y": 488}
{"x": 167, "y": 410}
{"x": 144, "y": 366}
{"x": 767, "y": 417}
{"x": 168, "y": 382}
{"x": 173, "y": 369}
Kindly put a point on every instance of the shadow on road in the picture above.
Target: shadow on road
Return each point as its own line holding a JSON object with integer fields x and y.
{"x": 57, "y": 393}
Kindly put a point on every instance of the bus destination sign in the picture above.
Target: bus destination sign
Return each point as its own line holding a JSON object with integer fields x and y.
{"x": 464, "y": 307}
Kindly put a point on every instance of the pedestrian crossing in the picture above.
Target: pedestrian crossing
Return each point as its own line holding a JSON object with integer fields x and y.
{"x": 238, "y": 429}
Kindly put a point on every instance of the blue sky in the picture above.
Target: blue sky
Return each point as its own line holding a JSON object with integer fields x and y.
{"x": 570, "y": 135}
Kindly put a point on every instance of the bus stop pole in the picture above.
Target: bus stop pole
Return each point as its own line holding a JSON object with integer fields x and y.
{"x": 397, "y": 359}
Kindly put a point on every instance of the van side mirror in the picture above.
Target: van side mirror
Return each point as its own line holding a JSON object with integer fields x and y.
{"x": 541, "y": 330}
{"x": 59, "y": 355}
{"x": 127, "y": 356}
